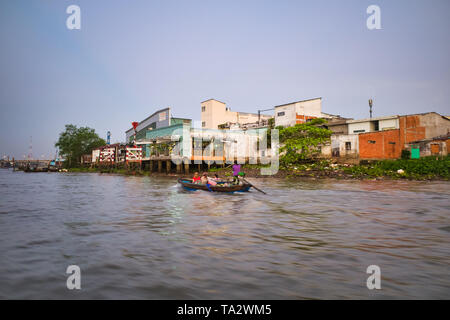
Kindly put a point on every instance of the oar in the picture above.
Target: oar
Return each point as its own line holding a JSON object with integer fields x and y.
{"x": 254, "y": 186}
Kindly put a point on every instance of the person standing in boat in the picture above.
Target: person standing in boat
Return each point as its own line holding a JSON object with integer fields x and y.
{"x": 236, "y": 170}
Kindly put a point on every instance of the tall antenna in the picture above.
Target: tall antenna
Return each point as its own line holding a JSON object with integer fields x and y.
{"x": 30, "y": 153}
{"x": 370, "y": 106}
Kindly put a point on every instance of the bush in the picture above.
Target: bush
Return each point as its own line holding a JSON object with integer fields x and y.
{"x": 427, "y": 167}
{"x": 406, "y": 154}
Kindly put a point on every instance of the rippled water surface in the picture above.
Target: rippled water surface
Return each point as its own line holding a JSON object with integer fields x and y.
{"x": 142, "y": 237}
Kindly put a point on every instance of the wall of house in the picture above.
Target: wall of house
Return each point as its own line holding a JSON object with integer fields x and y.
{"x": 243, "y": 117}
{"x": 369, "y": 125}
{"x": 338, "y": 128}
{"x": 325, "y": 150}
{"x": 233, "y": 144}
{"x": 157, "y": 120}
{"x": 216, "y": 113}
{"x": 299, "y": 119}
{"x": 293, "y": 112}
{"x": 359, "y": 127}
{"x": 436, "y": 125}
{"x": 95, "y": 155}
{"x": 389, "y": 144}
{"x": 175, "y": 121}
{"x": 380, "y": 145}
{"x": 340, "y": 143}
{"x": 423, "y": 126}
{"x": 432, "y": 148}
{"x": 162, "y": 133}
{"x": 285, "y": 115}
{"x": 410, "y": 129}
{"x": 388, "y": 124}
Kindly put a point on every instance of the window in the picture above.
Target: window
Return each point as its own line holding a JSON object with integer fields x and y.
{"x": 348, "y": 145}
{"x": 376, "y": 125}
{"x": 358, "y": 131}
{"x": 203, "y": 123}
{"x": 435, "y": 148}
{"x": 391, "y": 142}
{"x": 372, "y": 142}
{"x": 280, "y": 114}
{"x": 203, "y": 108}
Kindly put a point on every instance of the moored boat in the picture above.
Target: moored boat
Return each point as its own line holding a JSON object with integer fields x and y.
{"x": 220, "y": 187}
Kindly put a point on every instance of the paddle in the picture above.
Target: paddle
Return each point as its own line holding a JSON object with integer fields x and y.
{"x": 253, "y": 186}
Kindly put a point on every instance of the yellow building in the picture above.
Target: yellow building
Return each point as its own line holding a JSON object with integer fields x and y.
{"x": 215, "y": 113}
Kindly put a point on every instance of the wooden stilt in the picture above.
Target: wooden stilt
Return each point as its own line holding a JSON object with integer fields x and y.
{"x": 159, "y": 166}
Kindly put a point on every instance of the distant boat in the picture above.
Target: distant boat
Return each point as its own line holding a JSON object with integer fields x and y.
{"x": 35, "y": 167}
{"x": 188, "y": 185}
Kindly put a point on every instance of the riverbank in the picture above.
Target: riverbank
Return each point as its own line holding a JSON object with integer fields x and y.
{"x": 421, "y": 169}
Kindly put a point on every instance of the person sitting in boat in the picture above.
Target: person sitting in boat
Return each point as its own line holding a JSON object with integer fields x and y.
{"x": 196, "y": 178}
{"x": 219, "y": 181}
{"x": 212, "y": 181}
{"x": 204, "y": 178}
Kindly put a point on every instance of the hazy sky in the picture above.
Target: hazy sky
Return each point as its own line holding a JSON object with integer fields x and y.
{"x": 133, "y": 57}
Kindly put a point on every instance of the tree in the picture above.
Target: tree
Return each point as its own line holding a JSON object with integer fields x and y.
{"x": 74, "y": 142}
{"x": 300, "y": 142}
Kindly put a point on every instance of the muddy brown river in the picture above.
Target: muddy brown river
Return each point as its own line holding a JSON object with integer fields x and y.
{"x": 145, "y": 238}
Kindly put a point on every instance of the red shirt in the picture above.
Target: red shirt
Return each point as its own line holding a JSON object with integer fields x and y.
{"x": 195, "y": 179}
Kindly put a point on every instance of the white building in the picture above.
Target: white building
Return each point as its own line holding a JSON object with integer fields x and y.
{"x": 372, "y": 124}
{"x": 290, "y": 114}
{"x": 158, "y": 119}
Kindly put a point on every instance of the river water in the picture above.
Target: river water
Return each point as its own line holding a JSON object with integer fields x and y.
{"x": 144, "y": 237}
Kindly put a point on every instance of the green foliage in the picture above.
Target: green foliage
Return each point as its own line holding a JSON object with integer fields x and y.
{"x": 424, "y": 168}
{"x": 74, "y": 142}
{"x": 300, "y": 142}
{"x": 406, "y": 154}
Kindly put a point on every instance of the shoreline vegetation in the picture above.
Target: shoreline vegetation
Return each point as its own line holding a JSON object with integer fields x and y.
{"x": 429, "y": 168}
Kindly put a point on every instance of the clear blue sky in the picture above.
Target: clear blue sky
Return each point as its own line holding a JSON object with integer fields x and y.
{"x": 131, "y": 58}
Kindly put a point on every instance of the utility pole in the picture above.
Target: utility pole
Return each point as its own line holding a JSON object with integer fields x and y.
{"x": 259, "y": 114}
{"x": 370, "y": 107}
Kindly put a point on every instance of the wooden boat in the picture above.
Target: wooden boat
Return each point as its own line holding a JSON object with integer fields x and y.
{"x": 188, "y": 185}
{"x": 35, "y": 170}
